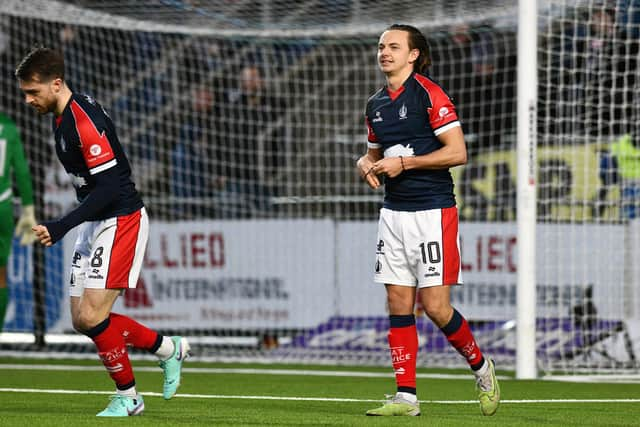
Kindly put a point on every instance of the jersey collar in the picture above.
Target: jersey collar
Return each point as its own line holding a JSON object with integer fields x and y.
{"x": 394, "y": 94}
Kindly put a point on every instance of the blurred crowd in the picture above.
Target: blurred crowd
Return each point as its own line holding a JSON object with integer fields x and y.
{"x": 209, "y": 130}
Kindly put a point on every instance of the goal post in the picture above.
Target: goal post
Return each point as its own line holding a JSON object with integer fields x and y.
{"x": 526, "y": 187}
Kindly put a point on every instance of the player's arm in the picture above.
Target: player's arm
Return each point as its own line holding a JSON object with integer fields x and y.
{"x": 373, "y": 154}
{"x": 106, "y": 191}
{"x": 452, "y": 153}
{"x": 443, "y": 119}
{"x": 101, "y": 162}
{"x": 365, "y": 166}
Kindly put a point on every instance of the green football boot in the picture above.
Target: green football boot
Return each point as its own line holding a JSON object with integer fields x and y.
{"x": 123, "y": 406}
{"x": 172, "y": 367}
{"x": 488, "y": 390}
{"x": 397, "y": 406}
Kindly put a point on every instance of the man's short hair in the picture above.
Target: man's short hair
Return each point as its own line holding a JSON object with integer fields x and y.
{"x": 41, "y": 63}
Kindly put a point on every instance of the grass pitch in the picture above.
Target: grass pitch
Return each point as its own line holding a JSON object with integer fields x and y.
{"x": 70, "y": 393}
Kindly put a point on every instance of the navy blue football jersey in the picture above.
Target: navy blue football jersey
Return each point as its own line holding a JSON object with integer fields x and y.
{"x": 86, "y": 144}
{"x": 406, "y": 123}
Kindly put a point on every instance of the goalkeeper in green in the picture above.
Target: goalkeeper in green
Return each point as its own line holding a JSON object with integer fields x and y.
{"x": 12, "y": 164}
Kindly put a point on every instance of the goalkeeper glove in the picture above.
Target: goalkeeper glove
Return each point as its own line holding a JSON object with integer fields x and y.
{"x": 25, "y": 224}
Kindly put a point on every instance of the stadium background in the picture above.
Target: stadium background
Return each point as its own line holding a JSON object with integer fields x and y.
{"x": 263, "y": 235}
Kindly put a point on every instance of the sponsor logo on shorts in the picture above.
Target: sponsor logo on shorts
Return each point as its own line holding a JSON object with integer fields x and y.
{"x": 76, "y": 258}
{"x": 432, "y": 272}
{"x": 95, "y": 274}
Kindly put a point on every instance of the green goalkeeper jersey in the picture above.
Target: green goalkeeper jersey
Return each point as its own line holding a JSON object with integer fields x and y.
{"x": 13, "y": 162}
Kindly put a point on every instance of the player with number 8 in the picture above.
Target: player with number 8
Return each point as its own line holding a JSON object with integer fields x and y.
{"x": 113, "y": 229}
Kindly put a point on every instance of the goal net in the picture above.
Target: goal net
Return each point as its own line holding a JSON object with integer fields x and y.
{"x": 588, "y": 160}
{"x": 243, "y": 120}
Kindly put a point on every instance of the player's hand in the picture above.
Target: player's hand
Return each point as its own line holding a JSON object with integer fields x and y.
{"x": 25, "y": 224}
{"x": 42, "y": 234}
{"x": 365, "y": 169}
{"x": 389, "y": 166}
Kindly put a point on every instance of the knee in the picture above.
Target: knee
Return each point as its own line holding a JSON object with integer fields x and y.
{"x": 438, "y": 311}
{"x": 84, "y": 321}
{"x": 399, "y": 304}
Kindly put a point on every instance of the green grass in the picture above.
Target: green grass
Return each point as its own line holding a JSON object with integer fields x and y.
{"x": 245, "y": 409}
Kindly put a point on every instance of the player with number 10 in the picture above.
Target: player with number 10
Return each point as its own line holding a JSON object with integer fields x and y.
{"x": 414, "y": 137}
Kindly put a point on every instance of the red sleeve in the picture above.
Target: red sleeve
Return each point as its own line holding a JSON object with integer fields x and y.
{"x": 371, "y": 136}
{"x": 442, "y": 113}
{"x": 95, "y": 146}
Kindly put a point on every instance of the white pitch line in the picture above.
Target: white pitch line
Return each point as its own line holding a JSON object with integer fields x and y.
{"x": 246, "y": 371}
{"x": 314, "y": 399}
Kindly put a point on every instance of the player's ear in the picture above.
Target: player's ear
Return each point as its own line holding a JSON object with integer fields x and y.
{"x": 413, "y": 55}
{"x": 56, "y": 84}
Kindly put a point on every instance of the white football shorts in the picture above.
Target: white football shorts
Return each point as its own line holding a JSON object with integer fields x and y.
{"x": 108, "y": 254}
{"x": 418, "y": 248}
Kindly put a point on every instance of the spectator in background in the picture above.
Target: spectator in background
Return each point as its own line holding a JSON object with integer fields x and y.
{"x": 252, "y": 152}
{"x": 192, "y": 154}
{"x": 493, "y": 57}
{"x": 591, "y": 68}
{"x": 477, "y": 65}
{"x": 453, "y": 67}
{"x": 13, "y": 164}
{"x": 605, "y": 68}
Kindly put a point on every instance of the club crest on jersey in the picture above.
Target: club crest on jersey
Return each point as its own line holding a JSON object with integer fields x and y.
{"x": 402, "y": 112}
{"x": 95, "y": 150}
{"x": 378, "y": 117}
{"x": 63, "y": 145}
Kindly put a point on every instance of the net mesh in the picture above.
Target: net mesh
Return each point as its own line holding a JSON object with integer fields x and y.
{"x": 588, "y": 138}
{"x": 243, "y": 120}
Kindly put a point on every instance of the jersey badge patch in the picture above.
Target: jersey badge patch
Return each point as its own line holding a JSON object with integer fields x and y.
{"x": 402, "y": 112}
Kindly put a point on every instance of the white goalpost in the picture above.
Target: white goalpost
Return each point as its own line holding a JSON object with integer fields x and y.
{"x": 243, "y": 120}
{"x": 526, "y": 187}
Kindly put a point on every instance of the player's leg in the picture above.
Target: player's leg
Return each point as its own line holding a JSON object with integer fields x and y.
{"x": 438, "y": 253}
{"x": 118, "y": 255}
{"x": 90, "y": 316}
{"x": 455, "y": 327}
{"x": 392, "y": 269}
{"x": 6, "y": 236}
{"x": 171, "y": 351}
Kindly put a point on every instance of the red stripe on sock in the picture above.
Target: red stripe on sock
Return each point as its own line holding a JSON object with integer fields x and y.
{"x": 463, "y": 341}
{"x": 403, "y": 343}
{"x": 113, "y": 353}
{"x": 134, "y": 333}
